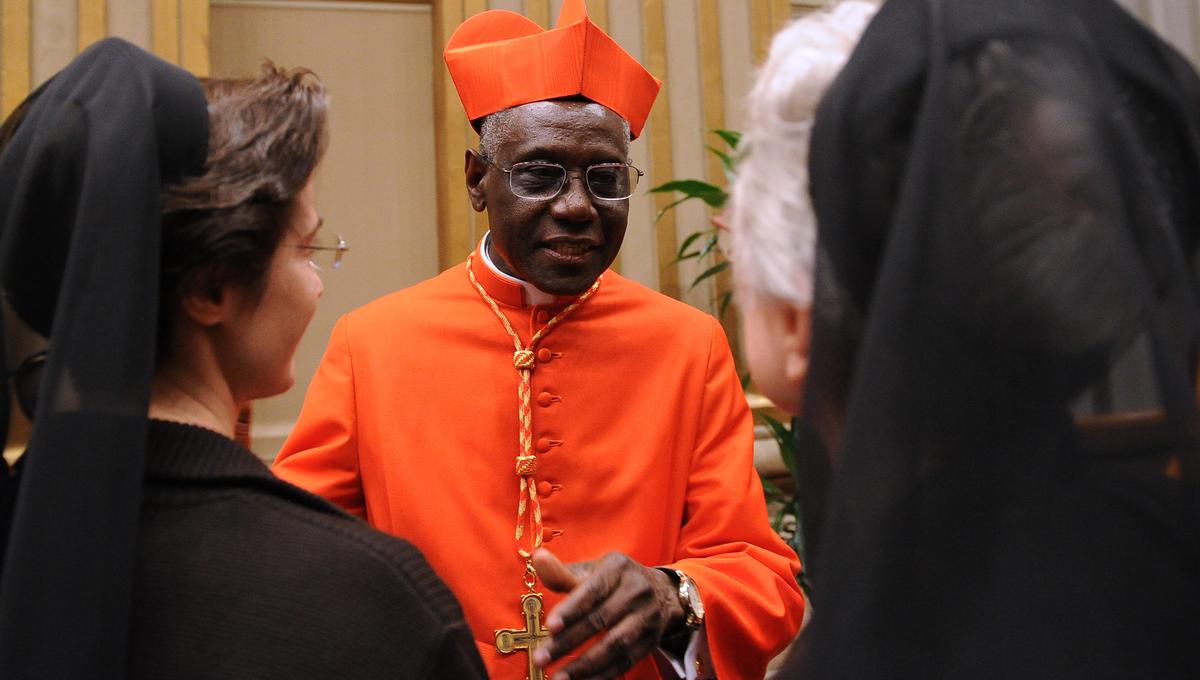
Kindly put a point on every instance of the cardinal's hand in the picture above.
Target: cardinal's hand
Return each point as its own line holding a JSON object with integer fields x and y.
{"x": 633, "y": 605}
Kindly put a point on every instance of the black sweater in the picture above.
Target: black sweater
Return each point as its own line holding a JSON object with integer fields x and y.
{"x": 241, "y": 575}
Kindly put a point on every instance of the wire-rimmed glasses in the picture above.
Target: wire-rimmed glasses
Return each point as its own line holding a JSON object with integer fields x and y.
{"x": 325, "y": 250}
{"x": 541, "y": 180}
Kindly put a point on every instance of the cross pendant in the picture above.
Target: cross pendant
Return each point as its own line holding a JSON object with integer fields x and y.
{"x": 509, "y": 640}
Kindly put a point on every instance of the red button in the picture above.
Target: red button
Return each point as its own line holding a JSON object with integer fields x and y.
{"x": 543, "y": 316}
{"x": 544, "y": 355}
{"x": 544, "y": 489}
{"x": 545, "y": 399}
{"x": 551, "y": 534}
{"x": 544, "y": 444}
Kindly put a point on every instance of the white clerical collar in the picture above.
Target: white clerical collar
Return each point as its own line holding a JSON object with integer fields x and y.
{"x": 533, "y": 296}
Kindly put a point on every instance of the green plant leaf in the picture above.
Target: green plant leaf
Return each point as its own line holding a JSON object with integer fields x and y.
{"x": 783, "y": 437}
{"x": 709, "y": 273}
{"x": 709, "y": 244}
{"x": 711, "y": 194}
{"x": 731, "y": 137}
{"x": 723, "y": 301}
{"x": 667, "y": 207}
{"x": 772, "y": 491}
{"x": 726, "y": 160}
{"x": 692, "y": 238}
{"x": 690, "y": 187}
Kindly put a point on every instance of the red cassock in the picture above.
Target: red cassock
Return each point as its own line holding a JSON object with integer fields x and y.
{"x": 641, "y": 428}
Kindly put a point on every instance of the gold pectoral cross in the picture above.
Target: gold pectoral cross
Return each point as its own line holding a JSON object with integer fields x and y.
{"x": 509, "y": 640}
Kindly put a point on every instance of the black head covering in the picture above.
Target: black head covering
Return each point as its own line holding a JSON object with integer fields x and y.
{"x": 79, "y": 261}
{"x": 1007, "y": 196}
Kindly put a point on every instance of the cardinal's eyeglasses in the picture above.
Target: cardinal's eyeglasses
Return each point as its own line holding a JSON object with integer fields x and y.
{"x": 541, "y": 181}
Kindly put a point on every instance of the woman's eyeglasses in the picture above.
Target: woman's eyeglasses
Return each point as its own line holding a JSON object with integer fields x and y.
{"x": 325, "y": 250}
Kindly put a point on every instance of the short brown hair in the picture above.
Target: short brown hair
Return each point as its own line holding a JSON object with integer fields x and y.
{"x": 266, "y": 136}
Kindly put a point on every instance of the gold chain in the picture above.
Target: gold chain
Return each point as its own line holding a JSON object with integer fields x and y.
{"x": 526, "y": 467}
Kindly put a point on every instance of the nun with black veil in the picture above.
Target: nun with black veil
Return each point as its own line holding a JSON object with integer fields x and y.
{"x": 160, "y": 232}
{"x": 1003, "y": 351}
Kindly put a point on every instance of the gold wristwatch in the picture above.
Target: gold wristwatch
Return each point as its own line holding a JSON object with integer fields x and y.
{"x": 689, "y": 598}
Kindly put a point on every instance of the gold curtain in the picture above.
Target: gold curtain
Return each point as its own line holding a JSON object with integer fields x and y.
{"x": 31, "y": 42}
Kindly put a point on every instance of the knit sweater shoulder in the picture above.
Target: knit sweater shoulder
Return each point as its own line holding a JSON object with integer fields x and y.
{"x": 240, "y": 574}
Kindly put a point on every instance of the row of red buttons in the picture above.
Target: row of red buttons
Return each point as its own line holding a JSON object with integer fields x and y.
{"x": 544, "y": 399}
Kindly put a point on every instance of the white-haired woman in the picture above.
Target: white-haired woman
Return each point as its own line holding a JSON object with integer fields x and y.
{"x": 773, "y": 231}
{"x": 1005, "y": 331}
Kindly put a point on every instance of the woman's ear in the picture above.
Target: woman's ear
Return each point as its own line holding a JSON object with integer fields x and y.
{"x": 204, "y": 304}
{"x": 202, "y": 309}
{"x": 476, "y": 171}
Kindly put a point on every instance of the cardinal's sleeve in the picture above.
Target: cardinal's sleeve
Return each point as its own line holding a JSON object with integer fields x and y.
{"x": 745, "y": 573}
{"x": 321, "y": 454}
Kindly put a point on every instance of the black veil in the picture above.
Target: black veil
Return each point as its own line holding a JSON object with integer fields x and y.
{"x": 79, "y": 261}
{"x": 1005, "y": 327}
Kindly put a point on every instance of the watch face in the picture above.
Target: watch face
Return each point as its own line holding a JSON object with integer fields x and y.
{"x": 695, "y": 605}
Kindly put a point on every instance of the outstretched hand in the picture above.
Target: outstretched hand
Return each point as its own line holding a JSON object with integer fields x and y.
{"x": 636, "y": 605}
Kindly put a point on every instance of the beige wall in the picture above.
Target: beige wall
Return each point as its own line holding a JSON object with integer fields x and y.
{"x": 377, "y": 184}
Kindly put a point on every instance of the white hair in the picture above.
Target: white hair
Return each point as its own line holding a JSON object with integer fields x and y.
{"x": 494, "y": 126}
{"x": 772, "y": 235}
{"x": 499, "y": 125}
